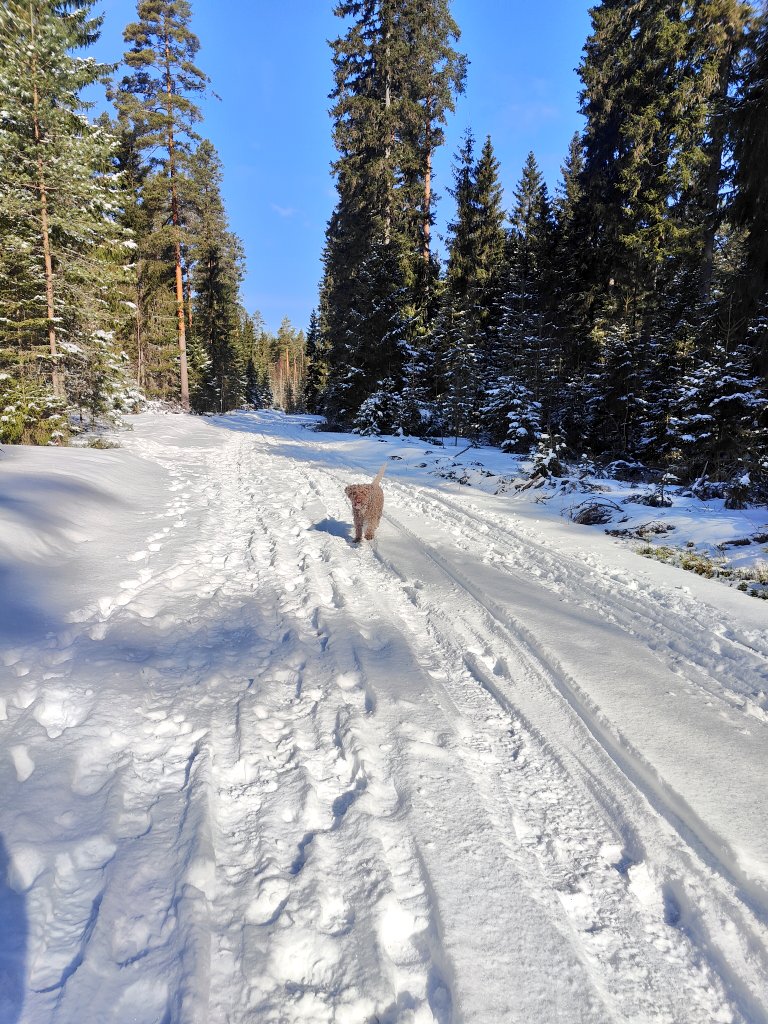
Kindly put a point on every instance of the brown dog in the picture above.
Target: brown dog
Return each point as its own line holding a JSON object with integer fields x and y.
{"x": 367, "y": 505}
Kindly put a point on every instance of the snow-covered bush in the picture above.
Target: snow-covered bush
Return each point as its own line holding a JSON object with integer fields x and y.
{"x": 549, "y": 455}
{"x": 511, "y": 415}
{"x": 380, "y": 412}
{"x": 30, "y": 413}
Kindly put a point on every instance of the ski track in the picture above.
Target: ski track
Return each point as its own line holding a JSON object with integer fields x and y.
{"x": 289, "y": 831}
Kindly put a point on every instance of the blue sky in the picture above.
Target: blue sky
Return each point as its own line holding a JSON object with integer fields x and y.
{"x": 269, "y": 62}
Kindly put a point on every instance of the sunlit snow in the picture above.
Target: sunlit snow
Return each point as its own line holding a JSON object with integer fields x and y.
{"x": 493, "y": 767}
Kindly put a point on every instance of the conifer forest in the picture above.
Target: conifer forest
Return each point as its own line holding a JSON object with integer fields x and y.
{"x": 621, "y": 318}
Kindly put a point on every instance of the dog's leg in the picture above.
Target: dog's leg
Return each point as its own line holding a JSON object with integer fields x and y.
{"x": 358, "y": 520}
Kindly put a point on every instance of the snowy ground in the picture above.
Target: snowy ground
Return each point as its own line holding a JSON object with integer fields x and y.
{"x": 493, "y": 768}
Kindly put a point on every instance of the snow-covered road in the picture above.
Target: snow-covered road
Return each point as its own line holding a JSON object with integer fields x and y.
{"x": 488, "y": 769}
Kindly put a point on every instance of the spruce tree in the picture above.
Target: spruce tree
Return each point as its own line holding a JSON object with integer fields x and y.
{"x": 717, "y": 31}
{"x": 749, "y": 205}
{"x": 464, "y": 332}
{"x": 317, "y": 366}
{"x": 517, "y": 366}
{"x": 476, "y": 238}
{"x": 216, "y": 260}
{"x": 526, "y": 302}
{"x": 361, "y": 236}
{"x": 633, "y": 170}
{"x": 570, "y": 270}
{"x": 657, "y": 77}
{"x": 717, "y": 423}
{"x": 371, "y": 345}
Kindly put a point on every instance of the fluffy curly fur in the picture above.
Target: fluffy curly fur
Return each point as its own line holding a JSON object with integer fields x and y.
{"x": 367, "y": 506}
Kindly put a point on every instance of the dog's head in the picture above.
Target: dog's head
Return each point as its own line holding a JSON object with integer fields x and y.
{"x": 358, "y": 495}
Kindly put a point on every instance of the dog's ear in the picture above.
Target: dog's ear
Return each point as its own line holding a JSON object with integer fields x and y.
{"x": 348, "y": 490}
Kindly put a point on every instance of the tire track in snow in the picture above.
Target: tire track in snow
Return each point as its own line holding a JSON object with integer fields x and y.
{"x": 518, "y": 551}
{"x": 687, "y": 892}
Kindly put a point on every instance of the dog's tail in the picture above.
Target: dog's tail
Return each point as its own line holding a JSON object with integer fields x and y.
{"x": 379, "y": 475}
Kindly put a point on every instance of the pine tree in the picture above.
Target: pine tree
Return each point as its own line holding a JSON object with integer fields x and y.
{"x": 155, "y": 99}
{"x": 255, "y": 354}
{"x": 136, "y": 218}
{"x": 58, "y": 194}
{"x": 288, "y": 366}
{"x": 434, "y": 74}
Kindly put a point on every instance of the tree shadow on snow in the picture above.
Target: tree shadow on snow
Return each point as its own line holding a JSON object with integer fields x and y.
{"x": 23, "y": 616}
{"x": 13, "y": 945}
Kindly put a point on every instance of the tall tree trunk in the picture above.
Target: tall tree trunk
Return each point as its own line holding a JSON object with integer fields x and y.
{"x": 427, "y": 222}
{"x": 140, "y": 367}
{"x": 188, "y": 295}
{"x": 183, "y": 372}
{"x": 176, "y": 220}
{"x": 388, "y": 130}
{"x": 57, "y": 377}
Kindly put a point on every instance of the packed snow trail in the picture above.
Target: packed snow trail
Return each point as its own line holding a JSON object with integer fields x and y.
{"x": 262, "y": 774}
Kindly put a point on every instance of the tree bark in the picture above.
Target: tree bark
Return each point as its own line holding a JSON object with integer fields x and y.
{"x": 388, "y": 144}
{"x": 427, "y": 226}
{"x": 140, "y": 369}
{"x": 57, "y": 377}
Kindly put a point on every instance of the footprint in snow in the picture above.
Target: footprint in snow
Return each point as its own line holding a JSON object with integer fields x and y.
{"x": 270, "y": 901}
{"x": 58, "y": 711}
{"x": 24, "y": 697}
{"x": 22, "y": 762}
